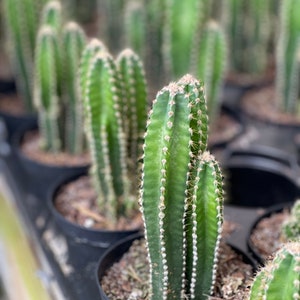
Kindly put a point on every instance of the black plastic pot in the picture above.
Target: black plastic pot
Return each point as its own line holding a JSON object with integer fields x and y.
{"x": 268, "y": 212}
{"x": 82, "y": 235}
{"x": 13, "y": 122}
{"x": 115, "y": 253}
{"x": 260, "y": 176}
{"x": 39, "y": 176}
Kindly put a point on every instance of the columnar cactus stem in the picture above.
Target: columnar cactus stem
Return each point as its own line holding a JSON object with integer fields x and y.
{"x": 280, "y": 278}
{"x": 104, "y": 133}
{"x": 181, "y": 181}
{"x": 287, "y": 75}
{"x": 52, "y": 15}
{"x": 211, "y": 65}
{"x": 22, "y": 23}
{"x": 134, "y": 104}
{"x": 73, "y": 44}
{"x": 45, "y": 90}
{"x": 291, "y": 227}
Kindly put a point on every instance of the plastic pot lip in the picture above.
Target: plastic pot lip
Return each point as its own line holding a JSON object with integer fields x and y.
{"x": 114, "y": 254}
{"x": 17, "y": 140}
{"x": 267, "y": 213}
{"x": 81, "y": 230}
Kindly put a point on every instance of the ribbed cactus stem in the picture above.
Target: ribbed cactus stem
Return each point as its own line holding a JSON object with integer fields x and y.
{"x": 211, "y": 65}
{"x": 287, "y": 56}
{"x": 280, "y": 278}
{"x": 291, "y": 227}
{"x": 134, "y": 103}
{"x": 21, "y": 18}
{"x": 73, "y": 44}
{"x": 104, "y": 133}
{"x": 181, "y": 195}
{"x": 45, "y": 89}
{"x": 52, "y": 15}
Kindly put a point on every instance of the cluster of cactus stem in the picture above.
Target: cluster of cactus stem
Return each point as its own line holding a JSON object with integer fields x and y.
{"x": 181, "y": 194}
{"x": 248, "y": 28}
{"x": 113, "y": 92}
{"x": 56, "y": 83}
{"x": 22, "y": 20}
{"x": 287, "y": 60}
{"x": 280, "y": 277}
{"x": 291, "y": 227}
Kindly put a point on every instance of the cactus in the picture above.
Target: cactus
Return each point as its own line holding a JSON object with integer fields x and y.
{"x": 104, "y": 132}
{"x": 134, "y": 104}
{"x": 181, "y": 195}
{"x": 211, "y": 65}
{"x": 248, "y": 26}
{"x": 22, "y": 26}
{"x": 280, "y": 278}
{"x": 291, "y": 227}
{"x": 45, "y": 91}
{"x": 287, "y": 56}
{"x": 56, "y": 82}
{"x": 73, "y": 42}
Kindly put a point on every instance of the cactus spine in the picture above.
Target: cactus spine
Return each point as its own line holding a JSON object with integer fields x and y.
{"x": 287, "y": 76}
{"x": 22, "y": 22}
{"x": 181, "y": 181}
{"x": 280, "y": 278}
{"x": 134, "y": 104}
{"x": 104, "y": 132}
{"x": 73, "y": 43}
{"x": 291, "y": 227}
{"x": 211, "y": 65}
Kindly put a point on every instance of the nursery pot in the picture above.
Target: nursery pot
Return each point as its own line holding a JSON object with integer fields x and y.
{"x": 260, "y": 176}
{"x": 115, "y": 253}
{"x": 275, "y": 209}
{"x": 37, "y": 175}
{"x": 95, "y": 238}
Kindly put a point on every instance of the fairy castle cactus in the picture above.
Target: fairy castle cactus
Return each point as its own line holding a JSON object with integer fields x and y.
{"x": 181, "y": 195}
{"x": 248, "y": 31}
{"x": 291, "y": 227}
{"x": 73, "y": 41}
{"x": 101, "y": 97}
{"x": 134, "y": 103}
{"x": 280, "y": 278}
{"x": 211, "y": 64}
{"x": 22, "y": 19}
{"x": 287, "y": 75}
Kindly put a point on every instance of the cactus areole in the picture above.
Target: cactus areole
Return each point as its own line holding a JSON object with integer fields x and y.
{"x": 181, "y": 195}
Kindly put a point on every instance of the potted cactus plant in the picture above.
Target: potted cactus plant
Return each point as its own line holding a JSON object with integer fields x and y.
{"x": 181, "y": 198}
{"x": 115, "y": 108}
{"x": 55, "y": 147}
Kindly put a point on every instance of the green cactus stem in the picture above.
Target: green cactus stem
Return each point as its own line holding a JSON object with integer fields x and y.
{"x": 73, "y": 44}
{"x": 52, "y": 15}
{"x": 211, "y": 65}
{"x": 287, "y": 75}
{"x": 181, "y": 195}
{"x": 45, "y": 91}
{"x": 280, "y": 278}
{"x": 291, "y": 227}
{"x": 134, "y": 105}
{"x": 104, "y": 132}
{"x": 21, "y": 18}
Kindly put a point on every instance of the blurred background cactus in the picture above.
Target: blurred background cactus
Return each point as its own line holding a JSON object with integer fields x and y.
{"x": 56, "y": 82}
{"x": 109, "y": 90}
{"x": 21, "y": 22}
{"x": 287, "y": 57}
{"x": 279, "y": 279}
{"x": 248, "y": 31}
{"x": 181, "y": 181}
